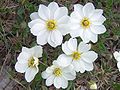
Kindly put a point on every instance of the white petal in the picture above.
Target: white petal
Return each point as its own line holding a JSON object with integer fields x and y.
{"x": 55, "y": 64}
{"x": 77, "y": 32}
{"x": 23, "y": 57}
{"x": 21, "y": 67}
{"x": 79, "y": 8}
{"x": 88, "y": 66}
{"x": 64, "y": 29}
{"x": 53, "y": 6}
{"x": 83, "y": 47}
{"x": 88, "y": 9}
{"x": 78, "y": 66}
{"x": 96, "y": 14}
{"x": 68, "y": 76}
{"x": 37, "y": 28}
{"x": 118, "y": 65}
{"x": 73, "y": 72}
{"x": 72, "y": 44}
{"x": 37, "y": 51}
{"x": 64, "y": 83}
{"x": 30, "y": 73}
{"x": 50, "y": 69}
{"x": 58, "y": 82}
{"x": 89, "y": 56}
{"x": 50, "y": 40}
{"x": 50, "y": 80}
{"x": 57, "y": 37}
{"x": 75, "y": 26}
{"x": 34, "y": 16}
{"x": 44, "y": 12}
{"x": 65, "y": 48}
{"x": 84, "y": 37}
{"x": 99, "y": 21}
{"x": 63, "y": 20}
{"x": 82, "y": 66}
{"x": 76, "y": 15}
{"x": 64, "y": 60}
{"x": 74, "y": 22}
{"x": 25, "y": 49}
{"x": 92, "y": 36}
{"x": 45, "y": 75}
{"x": 60, "y": 12}
{"x": 98, "y": 29}
{"x": 36, "y": 21}
{"x": 28, "y": 51}
{"x": 68, "y": 69}
{"x": 42, "y": 37}
{"x": 116, "y": 55}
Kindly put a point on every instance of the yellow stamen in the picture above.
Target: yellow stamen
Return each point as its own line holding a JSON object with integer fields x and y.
{"x": 85, "y": 23}
{"x": 76, "y": 55}
{"x": 57, "y": 72}
{"x": 51, "y": 25}
{"x": 33, "y": 62}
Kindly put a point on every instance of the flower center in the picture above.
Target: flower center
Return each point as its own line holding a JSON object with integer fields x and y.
{"x": 85, "y": 23}
{"x": 76, "y": 55}
{"x": 51, "y": 25}
{"x": 57, "y": 72}
{"x": 33, "y": 61}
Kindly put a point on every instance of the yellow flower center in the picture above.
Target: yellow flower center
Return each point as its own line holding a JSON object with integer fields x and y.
{"x": 76, "y": 55}
{"x": 51, "y": 25}
{"x": 57, "y": 72}
{"x": 33, "y": 62}
{"x": 85, "y": 23}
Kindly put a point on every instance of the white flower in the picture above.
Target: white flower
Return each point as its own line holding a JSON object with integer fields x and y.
{"x": 87, "y": 22}
{"x": 117, "y": 57}
{"x": 49, "y": 24}
{"x": 28, "y": 62}
{"x": 58, "y": 75}
{"x": 80, "y": 57}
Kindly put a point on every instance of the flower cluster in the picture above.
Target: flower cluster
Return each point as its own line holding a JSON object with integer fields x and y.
{"x": 49, "y": 25}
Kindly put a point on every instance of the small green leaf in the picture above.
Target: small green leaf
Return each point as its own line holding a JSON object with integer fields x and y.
{"x": 116, "y": 86}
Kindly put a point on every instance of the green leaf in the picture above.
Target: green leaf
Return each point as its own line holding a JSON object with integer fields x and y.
{"x": 116, "y": 86}
{"x": 20, "y": 12}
